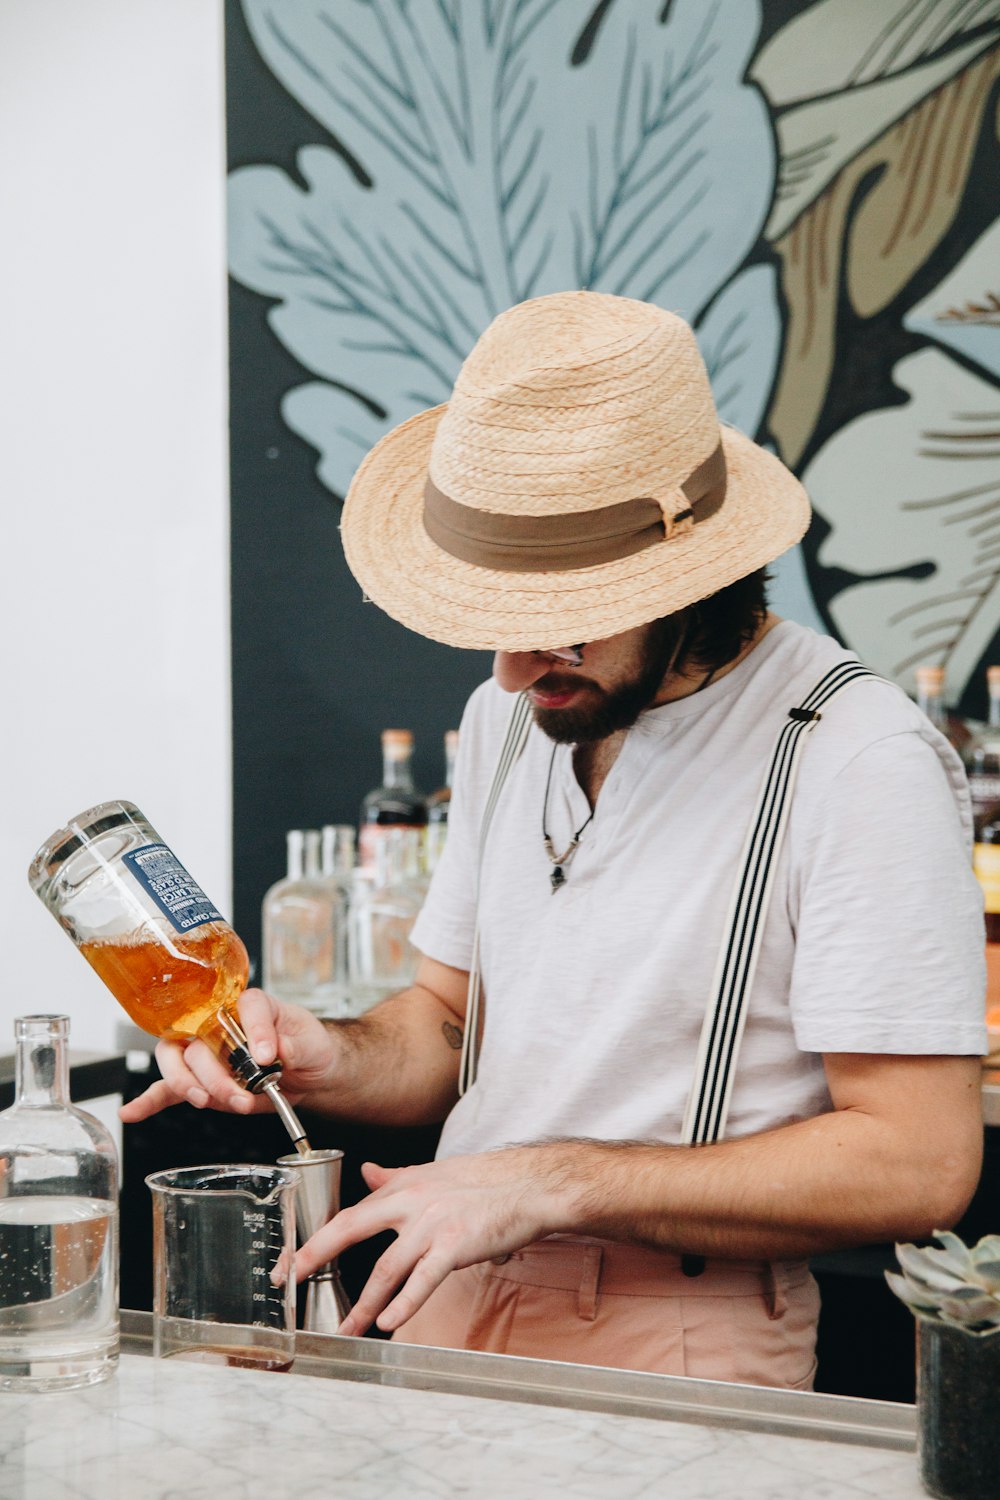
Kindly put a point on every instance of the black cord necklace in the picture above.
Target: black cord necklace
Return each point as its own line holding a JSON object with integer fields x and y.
{"x": 559, "y": 861}
{"x": 558, "y": 877}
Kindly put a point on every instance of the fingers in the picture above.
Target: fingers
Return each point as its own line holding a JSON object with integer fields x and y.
{"x": 348, "y": 1227}
{"x": 258, "y": 1013}
{"x": 193, "y": 1073}
{"x": 158, "y": 1096}
{"x": 420, "y": 1275}
{"x": 376, "y": 1176}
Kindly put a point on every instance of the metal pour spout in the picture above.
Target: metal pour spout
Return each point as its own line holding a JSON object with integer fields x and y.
{"x": 261, "y": 1079}
{"x": 317, "y": 1199}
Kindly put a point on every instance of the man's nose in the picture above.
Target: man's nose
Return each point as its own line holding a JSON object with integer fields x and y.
{"x": 517, "y": 670}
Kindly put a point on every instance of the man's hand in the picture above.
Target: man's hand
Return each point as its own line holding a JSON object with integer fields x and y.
{"x": 447, "y": 1214}
{"x": 395, "y": 1065}
{"x": 193, "y": 1073}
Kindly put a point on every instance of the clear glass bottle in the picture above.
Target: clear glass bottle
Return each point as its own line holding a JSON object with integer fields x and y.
{"x": 439, "y": 804}
{"x": 337, "y": 855}
{"x": 930, "y": 698}
{"x": 394, "y": 804}
{"x": 383, "y": 911}
{"x": 304, "y": 921}
{"x": 58, "y": 1225}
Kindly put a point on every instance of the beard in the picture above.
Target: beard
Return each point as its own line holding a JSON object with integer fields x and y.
{"x": 608, "y": 710}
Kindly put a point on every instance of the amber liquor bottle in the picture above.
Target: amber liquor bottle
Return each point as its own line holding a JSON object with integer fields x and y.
{"x": 394, "y": 804}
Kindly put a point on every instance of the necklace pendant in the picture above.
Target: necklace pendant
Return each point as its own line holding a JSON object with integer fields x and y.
{"x": 557, "y": 878}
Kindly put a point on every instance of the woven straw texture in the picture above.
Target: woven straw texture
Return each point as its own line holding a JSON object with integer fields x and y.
{"x": 567, "y": 403}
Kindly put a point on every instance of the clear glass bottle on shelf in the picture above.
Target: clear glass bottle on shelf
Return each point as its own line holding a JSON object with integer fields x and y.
{"x": 58, "y": 1224}
{"x": 304, "y": 931}
{"x": 337, "y": 855}
{"x": 394, "y": 804}
{"x": 982, "y": 754}
{"x": 438, "y": 805}
{"x": 383, "y": 911}
{"x": 930, "y": 698}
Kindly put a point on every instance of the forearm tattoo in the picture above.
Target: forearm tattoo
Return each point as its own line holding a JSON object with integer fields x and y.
{"x": 452, "y": 1035}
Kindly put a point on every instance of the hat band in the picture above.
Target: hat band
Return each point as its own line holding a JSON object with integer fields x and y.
{"x": 573, "y": 539}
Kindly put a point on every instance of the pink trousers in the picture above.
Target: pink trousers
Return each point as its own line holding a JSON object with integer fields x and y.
{"x": 597, "y": 1302}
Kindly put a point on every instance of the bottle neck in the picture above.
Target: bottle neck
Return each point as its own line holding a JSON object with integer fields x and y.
{"x": 42, "y": 1061}
{"x": 338, "y": 850}
{"x": 994, "y": 710}
{"x": 451, "y": 751}
{"x": 311, "y": 858}
{"x": 295, "y": 840}
{"x": 396, "y": 769}
{"x": 932, "y": 704}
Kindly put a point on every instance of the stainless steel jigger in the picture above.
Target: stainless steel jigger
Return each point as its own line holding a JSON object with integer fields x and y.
{"x": 317, "y": 1199}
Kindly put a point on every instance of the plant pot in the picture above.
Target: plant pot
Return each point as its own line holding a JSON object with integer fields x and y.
{"x": 958, "y": 1381}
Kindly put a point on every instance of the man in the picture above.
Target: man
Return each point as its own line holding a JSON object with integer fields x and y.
{"x": 578, "y": 488}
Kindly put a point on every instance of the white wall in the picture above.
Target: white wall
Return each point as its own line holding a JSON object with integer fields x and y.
{"x": 113, "y": 468}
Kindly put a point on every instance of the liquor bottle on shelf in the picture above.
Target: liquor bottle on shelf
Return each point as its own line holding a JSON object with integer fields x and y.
{"x": 930, "y": 698}
{"x": 986, "y": 862}
{"x": 982, "y": 754}
{"x": 304, "y": 921}
{"x": 58, "y": 1224}
{"x": 394, "y": 804}
{"x": 337, "y": 855}
{"x": 439, "y": 803}
{"x": 382, "y": 914}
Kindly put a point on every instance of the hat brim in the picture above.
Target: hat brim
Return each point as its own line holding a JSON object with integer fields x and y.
{"x": 401, "y": 570}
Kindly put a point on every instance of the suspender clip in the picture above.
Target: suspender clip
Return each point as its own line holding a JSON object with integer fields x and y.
{"x": 804, "y": 715}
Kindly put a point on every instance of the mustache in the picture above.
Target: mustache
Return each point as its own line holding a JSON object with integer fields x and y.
{"x": 560, "y": 682}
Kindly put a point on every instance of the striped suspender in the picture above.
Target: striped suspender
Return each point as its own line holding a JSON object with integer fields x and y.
{"x": 517, "y": 733}
{"x": 725, "y": 1017}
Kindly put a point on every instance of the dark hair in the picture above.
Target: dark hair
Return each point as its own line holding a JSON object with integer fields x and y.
{"x": 717, "y": 628}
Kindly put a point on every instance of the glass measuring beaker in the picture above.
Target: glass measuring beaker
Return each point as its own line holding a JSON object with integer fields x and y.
{"x": 169, "y": 958}
{"x": 223, "y": 1265}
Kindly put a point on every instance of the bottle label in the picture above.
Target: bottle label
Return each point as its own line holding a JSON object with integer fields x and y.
{"x": 163, "y": 878}
{"x": 986, "y": 863}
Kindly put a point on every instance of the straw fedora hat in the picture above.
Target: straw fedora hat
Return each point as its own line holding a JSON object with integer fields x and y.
{"x": 578, "y": 483}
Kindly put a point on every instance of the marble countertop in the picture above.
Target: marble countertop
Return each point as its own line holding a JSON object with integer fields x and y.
{"x": 161, "y": 1430}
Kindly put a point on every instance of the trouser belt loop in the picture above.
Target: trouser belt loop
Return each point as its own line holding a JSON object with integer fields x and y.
{"x": 590, "y": 1280}
{"x": 774, "y": 1291}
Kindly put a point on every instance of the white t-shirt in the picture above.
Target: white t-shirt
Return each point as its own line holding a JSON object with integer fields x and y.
{"x": 595, "y": 994}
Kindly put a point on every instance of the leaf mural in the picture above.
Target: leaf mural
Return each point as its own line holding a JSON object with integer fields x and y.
{"x": 740, "y": 342}
{"x": 499, "y": 170}
{"x": 963, "y": 311}
{"x": 912, "y": 494}
{"x": 879, "y": 112}
{"x": 807, "y": 57}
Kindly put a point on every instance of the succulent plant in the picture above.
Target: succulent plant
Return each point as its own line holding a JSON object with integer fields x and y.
{"x": 955, "y": 1285}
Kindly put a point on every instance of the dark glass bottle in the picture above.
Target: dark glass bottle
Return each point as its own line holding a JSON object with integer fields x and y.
{"x": 394, "y": 804}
